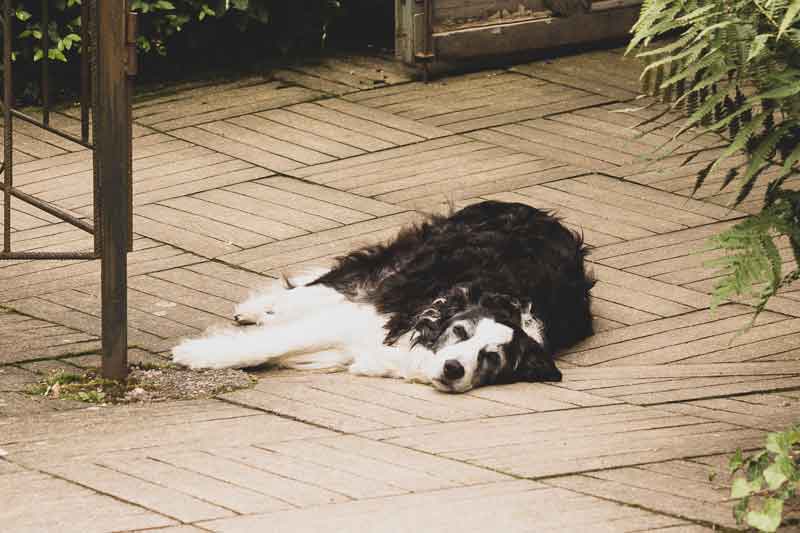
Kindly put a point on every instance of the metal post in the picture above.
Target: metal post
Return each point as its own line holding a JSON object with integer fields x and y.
{"x": 8, "y": 103}
{"x": 46, "y": 62}
{"x": 113, "y": 156}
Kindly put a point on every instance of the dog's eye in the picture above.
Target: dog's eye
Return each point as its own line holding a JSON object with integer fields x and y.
{"x": 460, "y": 332}
{"x": 492, "y": 358}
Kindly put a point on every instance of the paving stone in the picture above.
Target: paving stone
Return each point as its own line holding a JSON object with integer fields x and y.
{"x": 466, "y": 511}
{"x": 15, "y": 379}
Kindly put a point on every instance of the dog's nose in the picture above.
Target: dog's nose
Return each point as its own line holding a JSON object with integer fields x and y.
{"x": 453, "y": 370}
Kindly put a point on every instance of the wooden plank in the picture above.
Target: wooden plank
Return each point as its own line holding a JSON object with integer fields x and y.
{"x": 329, "y": 130}
{"x": 376, "y": 158}
{"x": 352, "y": 122}
{"x": 674, "y": 504}
{"x": 296, "y": 136}
{"x": 381, "y": 117}
{"x": 271, "y": 204}
{"x": 236, "y": 149}
{"x": 606, "y": 354}
{"x": 333, "y": 196}
{"x": 238, "y": 133}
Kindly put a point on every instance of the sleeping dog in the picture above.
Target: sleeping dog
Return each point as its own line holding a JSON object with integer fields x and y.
{"x": 486, "y": 295}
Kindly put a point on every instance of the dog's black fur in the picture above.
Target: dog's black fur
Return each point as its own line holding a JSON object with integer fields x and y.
{"x": 493, "y": 258}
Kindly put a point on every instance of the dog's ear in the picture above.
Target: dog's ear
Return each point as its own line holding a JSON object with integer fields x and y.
{"x": 535, "y": 360}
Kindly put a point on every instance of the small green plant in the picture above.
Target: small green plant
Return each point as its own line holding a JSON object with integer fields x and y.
{"x": 766, "y": 480}
{"x": 87, "y": 387}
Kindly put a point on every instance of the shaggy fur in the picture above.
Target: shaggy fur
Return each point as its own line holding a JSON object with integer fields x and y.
{"x": 484, "y": 296}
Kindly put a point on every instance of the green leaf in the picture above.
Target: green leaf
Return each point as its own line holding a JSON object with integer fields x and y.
{"x": 784, "y": 91}
{"x": 758, "y": 45}
{"x": 769, "y": 518}
{"x": 736, "y": 462}
{"x": 23, "y": 15}
{"x": 774, "y": 476}
{"x": 38, "y": 54}
{"x": 55, "y": 53}
{"x": 740, "y": 510}
{"x": 741, "y": 487}
{"x": 777, "y": 443}
{"x": 789, "y": 17}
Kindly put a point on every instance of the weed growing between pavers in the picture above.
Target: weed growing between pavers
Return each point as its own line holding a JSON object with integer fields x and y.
{"x": 147, "y": 382}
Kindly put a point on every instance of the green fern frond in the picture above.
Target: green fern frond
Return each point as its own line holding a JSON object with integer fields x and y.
{"x": 732, "y": 66}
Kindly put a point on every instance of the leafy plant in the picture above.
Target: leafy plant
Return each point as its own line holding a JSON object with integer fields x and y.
{"x": 767, "y": 479}
{"x": 87, "y": 387}
{"x": 733, "y": 66}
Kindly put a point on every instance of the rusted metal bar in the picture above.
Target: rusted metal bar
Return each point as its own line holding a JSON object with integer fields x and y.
{"x": 45, "y": 86}
{"x": 33, "y": 120}
{"x": 112, "y": 139}
{"x": 8, "y": 103}
{"x": 91, "y": 29}
{"x": 51, "y": 209}
{"x": 53, "y": 256}
{"x": 86, "y": 81}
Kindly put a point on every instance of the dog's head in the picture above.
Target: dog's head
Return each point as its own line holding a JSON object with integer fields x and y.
{"x": 483, "y": 340}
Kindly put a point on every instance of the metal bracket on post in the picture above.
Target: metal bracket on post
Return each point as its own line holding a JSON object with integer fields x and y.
{"x": 113, "y": 144}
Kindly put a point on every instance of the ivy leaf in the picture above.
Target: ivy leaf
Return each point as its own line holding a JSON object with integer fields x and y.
{"x": 777, "y": 444}
{"x": 38, "y": 54}
{"x": 774, "y": 476}
{"x": 742, "y": 488}
{"x": 23, "y": 15}
{"x": 769, "y": 518}
{"x": 740, "y": 510}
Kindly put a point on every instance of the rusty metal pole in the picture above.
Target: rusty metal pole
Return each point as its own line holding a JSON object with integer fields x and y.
{"x": 8, "y": 103}
{"x": 112, "y": 141}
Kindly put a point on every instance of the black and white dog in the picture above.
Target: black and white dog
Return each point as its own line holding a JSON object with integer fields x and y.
{"x": 484, "y": 296}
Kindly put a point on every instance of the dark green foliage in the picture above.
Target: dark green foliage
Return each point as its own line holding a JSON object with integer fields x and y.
{"x": 199, "y": 33}
{"x": 734, "y": 69}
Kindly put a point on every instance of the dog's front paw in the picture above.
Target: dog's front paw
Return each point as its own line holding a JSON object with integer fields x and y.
{"x": 246, "y": 318}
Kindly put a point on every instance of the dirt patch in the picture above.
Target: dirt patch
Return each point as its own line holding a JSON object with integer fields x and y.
{"x": 172, "y": 383}
{"x": 146, "y": 383}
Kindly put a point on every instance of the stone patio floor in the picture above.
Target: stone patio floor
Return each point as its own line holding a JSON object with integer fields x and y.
{"x": 243, "y": 180}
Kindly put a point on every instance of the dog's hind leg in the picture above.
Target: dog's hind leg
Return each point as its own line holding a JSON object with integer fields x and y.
{"x": 262, "y": 306}
{"x": 239, "y": 348}
{"x": 308, "y": 320}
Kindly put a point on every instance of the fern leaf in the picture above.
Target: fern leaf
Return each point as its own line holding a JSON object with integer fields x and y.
{"x": 741, "y": 139}
{"x": 758, "y": 162}
{"x": 793, "y": 158}
{"x": 677, "y": 57}
{"x": 789, "y": 18}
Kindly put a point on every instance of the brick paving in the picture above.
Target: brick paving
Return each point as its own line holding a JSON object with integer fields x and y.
{"x": 238, "y": 182}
